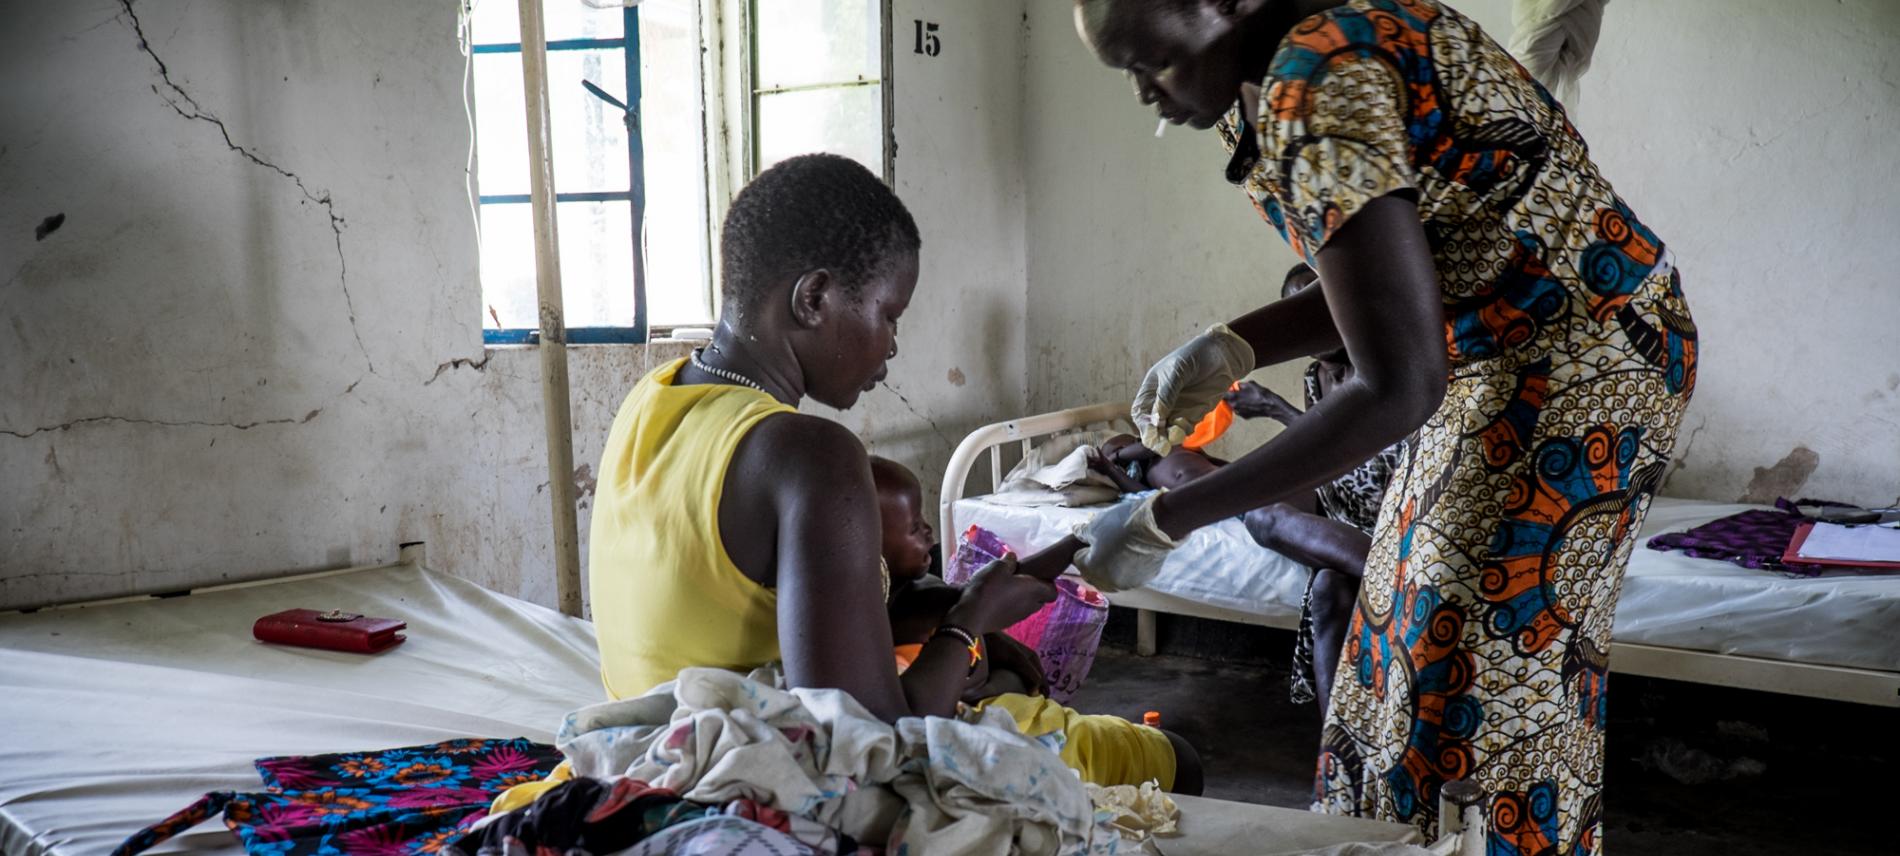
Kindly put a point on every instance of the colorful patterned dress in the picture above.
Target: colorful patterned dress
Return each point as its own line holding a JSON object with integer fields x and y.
{"x": 1479, "y": 646}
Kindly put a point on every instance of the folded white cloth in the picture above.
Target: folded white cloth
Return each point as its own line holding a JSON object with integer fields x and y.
{"x": 930, "y": 785}
{"x": 1057, "y": 473}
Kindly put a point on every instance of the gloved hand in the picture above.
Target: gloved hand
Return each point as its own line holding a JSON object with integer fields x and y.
{"x": 1186, "y": 384}
{"x": 1123, "y": 548}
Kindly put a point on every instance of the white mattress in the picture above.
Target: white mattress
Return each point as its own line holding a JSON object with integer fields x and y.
{"x": 116, "y": 716}
{"x": 113, "y": 717}
{"x": 1842, "y": 618}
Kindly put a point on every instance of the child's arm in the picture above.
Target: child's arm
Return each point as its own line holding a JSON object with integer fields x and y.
{"x": 1123, "y": 482}
{"x": 1049, "y": 562}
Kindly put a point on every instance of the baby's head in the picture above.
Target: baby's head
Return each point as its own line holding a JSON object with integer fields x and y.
{"x": 908, "y": 537}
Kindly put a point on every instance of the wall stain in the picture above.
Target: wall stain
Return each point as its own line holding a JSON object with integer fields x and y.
{"x": 584, "y": 482}
{"x": 48, "y": 226}
{"x": 956, "y": 377}
{"x": 1785, "y": 478}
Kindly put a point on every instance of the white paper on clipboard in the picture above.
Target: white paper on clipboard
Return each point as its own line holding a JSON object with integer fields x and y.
{"x": 1864, "y": 543}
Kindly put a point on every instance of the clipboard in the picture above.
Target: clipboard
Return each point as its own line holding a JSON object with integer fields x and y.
{"x": 1793, "y": 555}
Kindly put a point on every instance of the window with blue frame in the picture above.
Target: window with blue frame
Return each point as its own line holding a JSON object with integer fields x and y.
{"x": 625, "y": 102}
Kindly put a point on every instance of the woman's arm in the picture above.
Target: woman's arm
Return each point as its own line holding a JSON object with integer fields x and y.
{"x": 1381, "y": 294}
{"x": 1289, "y": 328}
{"x": 832, "y": 627}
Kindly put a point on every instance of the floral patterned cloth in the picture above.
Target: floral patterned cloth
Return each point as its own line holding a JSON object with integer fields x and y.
{"x": 391, "y": 802}
{"x": 1479, "y": 647}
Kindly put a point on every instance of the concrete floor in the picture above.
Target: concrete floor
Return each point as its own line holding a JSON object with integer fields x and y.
{"x": 1693, "y": 770}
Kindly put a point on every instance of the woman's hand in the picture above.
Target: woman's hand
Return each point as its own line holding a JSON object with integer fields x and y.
{"x": 1184, "y": 385}
{"x": 1253, "y": 401}
{"x": 998, "y": 597}
{"x": 1125, "y": 546}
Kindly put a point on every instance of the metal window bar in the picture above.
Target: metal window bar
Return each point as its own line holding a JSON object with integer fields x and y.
{"x": 752, "y": 97}
{"x": 635, "y": 194}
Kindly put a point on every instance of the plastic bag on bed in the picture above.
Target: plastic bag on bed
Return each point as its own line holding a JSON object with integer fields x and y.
{"x": 1064, "y": 633}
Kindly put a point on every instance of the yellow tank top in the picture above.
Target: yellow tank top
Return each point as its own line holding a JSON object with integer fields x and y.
{"x": 665, "y": 594}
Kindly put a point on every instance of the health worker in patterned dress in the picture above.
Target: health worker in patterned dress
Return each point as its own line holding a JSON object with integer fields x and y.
{"x": 1503, "y": 307}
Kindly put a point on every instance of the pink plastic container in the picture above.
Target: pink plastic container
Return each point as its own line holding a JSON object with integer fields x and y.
{"x": 1064, "y": 634}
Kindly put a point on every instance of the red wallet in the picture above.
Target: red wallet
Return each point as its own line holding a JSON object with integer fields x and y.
{"x": 335, "y": 630}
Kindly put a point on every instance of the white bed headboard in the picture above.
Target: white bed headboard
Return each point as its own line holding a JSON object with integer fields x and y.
{"x": 992, "y": 438}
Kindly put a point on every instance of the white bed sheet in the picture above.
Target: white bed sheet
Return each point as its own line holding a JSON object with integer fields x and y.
{"x": 113, "y": 717}
{"x": 116, "y": 716}
{"x": 1842, "y": 618}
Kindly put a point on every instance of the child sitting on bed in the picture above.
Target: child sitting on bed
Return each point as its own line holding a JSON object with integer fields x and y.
{"x": 1105, "y": 750}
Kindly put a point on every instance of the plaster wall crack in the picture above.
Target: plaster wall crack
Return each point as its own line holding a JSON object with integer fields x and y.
{"x": 197, "y": 112}
{"x": 461, "y": 363}
{"x": 919, "y": 414}
{"x": 241, "y": 426}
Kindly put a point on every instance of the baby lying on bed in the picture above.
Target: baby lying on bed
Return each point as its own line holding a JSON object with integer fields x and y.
{"x": 1105, "y": 750}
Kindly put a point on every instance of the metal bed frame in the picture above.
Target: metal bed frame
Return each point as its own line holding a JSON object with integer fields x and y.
{"x": 1839, "y": 683}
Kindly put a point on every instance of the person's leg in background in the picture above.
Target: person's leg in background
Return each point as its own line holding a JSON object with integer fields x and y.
{"x": 1337, "y": 553}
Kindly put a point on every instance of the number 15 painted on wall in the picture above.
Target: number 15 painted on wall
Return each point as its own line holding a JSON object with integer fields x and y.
{"x": 927, "y": 43}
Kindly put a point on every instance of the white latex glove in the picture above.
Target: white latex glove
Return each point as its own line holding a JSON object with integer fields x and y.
{"x": 1123, "y": 548}
{"x": 1186, "y": 384}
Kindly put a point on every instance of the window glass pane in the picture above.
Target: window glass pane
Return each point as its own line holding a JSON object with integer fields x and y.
{"x": 844, "y": 121}
{"x": 596, "y": 264}
{"x": 674, "y": 140}
{"x": 499, "y": 21}
{"x": 590, "y": 135}
{"x": 816, "y": 41}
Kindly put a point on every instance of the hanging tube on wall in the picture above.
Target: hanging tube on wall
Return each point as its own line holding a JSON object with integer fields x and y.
{"x": 547, "y": 280}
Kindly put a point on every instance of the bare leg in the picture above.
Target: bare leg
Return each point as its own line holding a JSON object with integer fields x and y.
{"x": 1311, "y": 540}
{"x": 1337, "y": 553}
{"x": 1333, "y": 597}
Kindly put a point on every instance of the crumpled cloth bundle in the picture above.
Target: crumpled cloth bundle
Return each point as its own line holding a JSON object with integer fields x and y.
{"x": 928, "y": 785}
{"x": 1138, "y": 812}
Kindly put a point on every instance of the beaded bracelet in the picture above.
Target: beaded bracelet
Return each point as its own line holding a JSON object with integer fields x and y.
{"x": 967, "y": 638}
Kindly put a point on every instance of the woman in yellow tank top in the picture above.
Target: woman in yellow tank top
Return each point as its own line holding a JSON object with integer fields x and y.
{"x": 730, "y": 530}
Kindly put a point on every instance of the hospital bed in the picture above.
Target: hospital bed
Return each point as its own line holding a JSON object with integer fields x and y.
{"x": 1835, "y": 636}
{"x": 117, "y": 713}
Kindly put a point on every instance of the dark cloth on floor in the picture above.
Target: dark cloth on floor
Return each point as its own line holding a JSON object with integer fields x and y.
{"x": 410, "y": 800}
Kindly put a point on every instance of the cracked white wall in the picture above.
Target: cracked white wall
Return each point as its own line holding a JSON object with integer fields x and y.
{"x": 1756, "y": 136}
{"x": 231, "y": 362}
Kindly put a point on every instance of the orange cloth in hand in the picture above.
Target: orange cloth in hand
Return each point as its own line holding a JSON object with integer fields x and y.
{"x": 1211, "y": 426}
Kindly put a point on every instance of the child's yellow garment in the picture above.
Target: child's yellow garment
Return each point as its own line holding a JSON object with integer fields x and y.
{"x": 665, "y": 595}
{"x": 1105, "y": 750}
{"x": 524, "y": 795}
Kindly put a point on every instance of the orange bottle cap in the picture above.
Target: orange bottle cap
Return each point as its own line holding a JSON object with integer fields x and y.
{"x": 1152, "y": 719}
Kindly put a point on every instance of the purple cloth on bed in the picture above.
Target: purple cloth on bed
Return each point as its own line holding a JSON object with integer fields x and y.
{"x": 1756, "y": 538}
